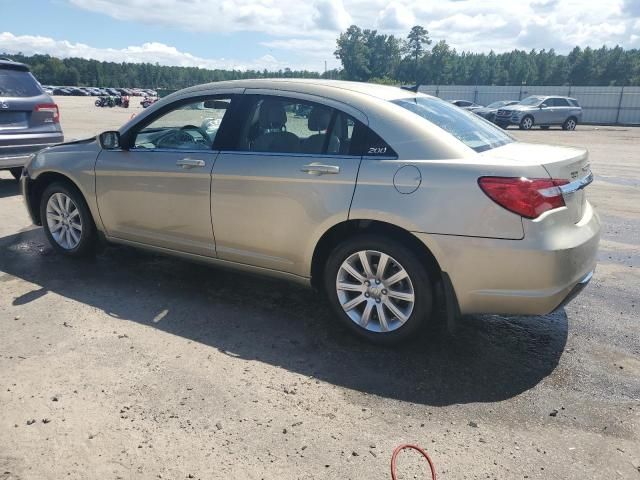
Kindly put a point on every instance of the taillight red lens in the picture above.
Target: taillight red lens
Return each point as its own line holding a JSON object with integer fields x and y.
{"x": 528, "y": 197}
{"x": 49, "y": 107}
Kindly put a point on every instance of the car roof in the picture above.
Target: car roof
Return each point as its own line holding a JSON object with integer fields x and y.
{"x": 11, "y": 65}
{"x": 319, "y": 87}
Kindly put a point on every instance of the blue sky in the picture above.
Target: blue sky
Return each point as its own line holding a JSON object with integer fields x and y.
{"x": 299, "y": 33}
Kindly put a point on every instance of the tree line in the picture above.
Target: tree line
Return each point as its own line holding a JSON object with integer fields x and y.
{"x": 84, "y": 72}
{"x": 369, "y": 56}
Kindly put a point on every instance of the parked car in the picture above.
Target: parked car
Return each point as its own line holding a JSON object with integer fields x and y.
{"x": 347, "y": 199}
{"x": 61, "y": 91}
{"x": 466, "y": 104}
{"x": 489, "y": 112}
{"x": 29, "y": 119}
{"x": 78, "y": 92}
{"x": 542, "y": 111}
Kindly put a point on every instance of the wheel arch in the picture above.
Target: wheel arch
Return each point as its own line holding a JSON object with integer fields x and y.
{"x": 531, "y": 116}
{"x": 346, "y": 229}
{"x": 38, "y": 185}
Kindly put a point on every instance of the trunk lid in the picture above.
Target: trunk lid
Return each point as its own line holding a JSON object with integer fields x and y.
{"x": 561, "y": 163}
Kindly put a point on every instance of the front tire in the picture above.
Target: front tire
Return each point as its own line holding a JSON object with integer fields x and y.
{"x": 67, "y": 221}
{"x": 526, "y": 123}
{"x": 378, "y": 288}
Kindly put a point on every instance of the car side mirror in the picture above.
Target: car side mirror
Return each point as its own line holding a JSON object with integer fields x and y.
{"x": 110, "y": 140}
{"x": 544, "y": 105}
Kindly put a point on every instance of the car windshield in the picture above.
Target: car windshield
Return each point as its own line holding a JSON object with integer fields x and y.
{"x": 18, "y": 83}
{"x": 532, "y": 101}
{"x": 499, "y": 104}
{"x": 467, "y": 127}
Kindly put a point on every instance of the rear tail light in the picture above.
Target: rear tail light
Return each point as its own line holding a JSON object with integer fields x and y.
{"x": 528, "y": 197}
{"x": 49, "y": 107}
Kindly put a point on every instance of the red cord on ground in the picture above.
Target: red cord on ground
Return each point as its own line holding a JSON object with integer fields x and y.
{"x": 399, "y": 448}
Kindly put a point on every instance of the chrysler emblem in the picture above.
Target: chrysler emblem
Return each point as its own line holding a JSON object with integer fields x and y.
{"x": 3, "y": 104}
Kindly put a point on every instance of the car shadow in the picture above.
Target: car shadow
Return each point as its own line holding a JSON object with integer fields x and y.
{"x": 8, "y": 187}
{"x": 489, "y": 358}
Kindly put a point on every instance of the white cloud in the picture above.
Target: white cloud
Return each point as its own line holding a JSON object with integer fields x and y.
{"x": 331, "y": 15}
{"x": 396, "y": 16}
{"x": 152, "y": 52}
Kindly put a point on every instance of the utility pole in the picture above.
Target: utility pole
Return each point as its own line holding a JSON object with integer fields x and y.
{"x": 325, "y": 69}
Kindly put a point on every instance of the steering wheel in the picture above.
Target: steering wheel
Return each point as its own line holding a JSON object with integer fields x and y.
{"x": 181, "y": 136}
{"x": 202, "y": 133}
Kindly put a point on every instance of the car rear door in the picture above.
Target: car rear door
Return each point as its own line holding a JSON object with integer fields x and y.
{"x": 157, "y": 191}
{"x": 561, "y": 110}
{"x": 287, "y": 180}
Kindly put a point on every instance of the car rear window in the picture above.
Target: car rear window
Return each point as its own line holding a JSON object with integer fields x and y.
{"x": 18, "y": 83}
{"x": 470, "y": 129}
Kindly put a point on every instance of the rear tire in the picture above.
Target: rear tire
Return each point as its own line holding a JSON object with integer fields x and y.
{"x": 570, "y": 124}
{"x": 394, "y": 305}
{"x": 67, "y": 221}
{"x": 16, "y": 172}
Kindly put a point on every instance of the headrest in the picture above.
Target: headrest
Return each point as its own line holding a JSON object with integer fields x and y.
{"x": 319, "y": 118}
{"x": 272, "y": 115}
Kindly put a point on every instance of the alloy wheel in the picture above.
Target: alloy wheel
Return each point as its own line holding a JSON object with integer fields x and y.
{"x": 375, "y": 291}
{"x": 63, "y": 220}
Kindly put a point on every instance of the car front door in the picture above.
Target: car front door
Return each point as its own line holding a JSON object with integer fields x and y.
{"x": 289, "y": 178}
{"x": 544, "y": 115}
{"x": 156, "y": 190}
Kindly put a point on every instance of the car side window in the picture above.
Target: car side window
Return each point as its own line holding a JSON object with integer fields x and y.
{"x": 286, "y": 125}
{"x": 188, "y": 126}
{"x": 560, "y": 102}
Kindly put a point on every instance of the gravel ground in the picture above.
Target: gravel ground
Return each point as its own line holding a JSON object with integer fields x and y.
{"x": 140, "y": 366}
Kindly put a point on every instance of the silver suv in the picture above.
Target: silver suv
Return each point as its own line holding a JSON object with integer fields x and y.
{"x": 541, "y": 111}
{"x": 29, "y": 119}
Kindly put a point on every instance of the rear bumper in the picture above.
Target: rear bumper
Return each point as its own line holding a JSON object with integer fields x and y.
{"x": 532, "y": 276}
{"x": 575, "y": 291}
{"x": 18, "y": 153}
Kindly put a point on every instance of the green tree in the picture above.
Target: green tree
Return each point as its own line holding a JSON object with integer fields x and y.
{"x": 353, "y": 52}
{"x": 414, "y": 48}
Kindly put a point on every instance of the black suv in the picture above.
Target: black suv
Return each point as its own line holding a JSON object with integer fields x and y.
{"x": 29, "y": 119}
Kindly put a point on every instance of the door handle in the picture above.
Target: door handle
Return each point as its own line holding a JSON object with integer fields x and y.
{"x": 190, "y": 163}
{"x": 318, "y": 169}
